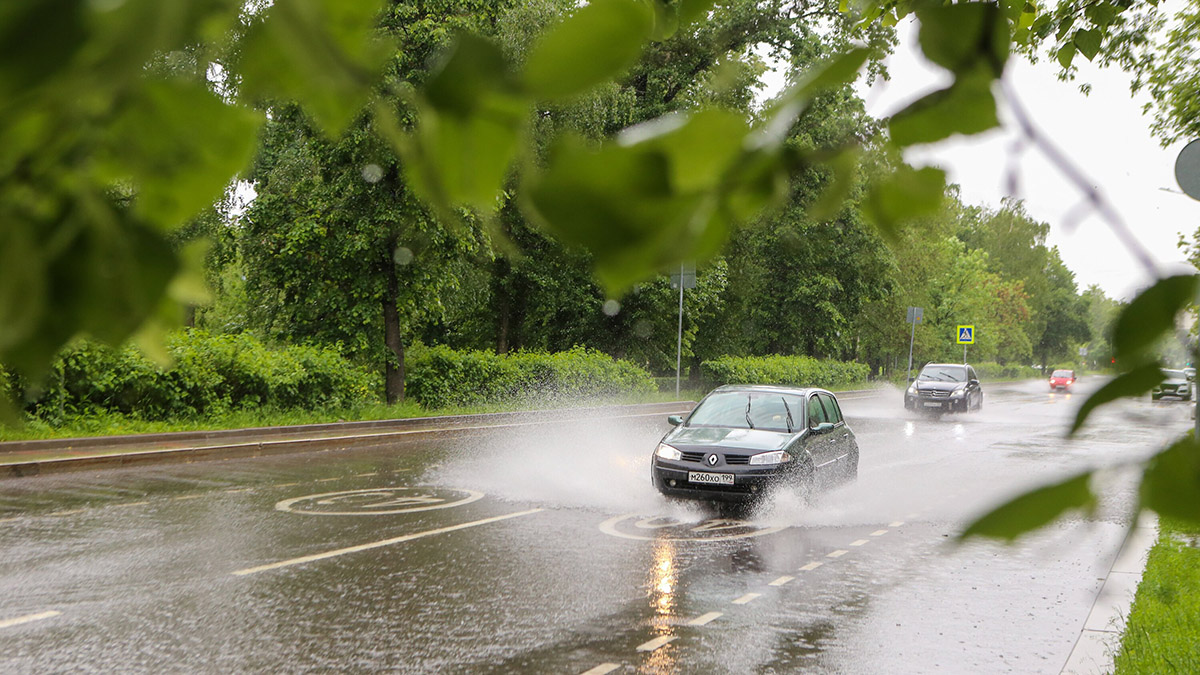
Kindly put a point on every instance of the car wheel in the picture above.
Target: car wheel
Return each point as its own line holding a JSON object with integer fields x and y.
{"x": 979, "y": 403}
{"x": 1155, "y": 397}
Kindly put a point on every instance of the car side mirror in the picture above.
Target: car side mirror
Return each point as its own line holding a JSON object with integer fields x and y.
{"x": 674, "y": 420}
{"x": 974, "y": 381}
{"x": 823, "y": 428}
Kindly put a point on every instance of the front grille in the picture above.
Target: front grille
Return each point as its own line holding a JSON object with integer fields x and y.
{"x": 691, "y": 456}
{"x": 733, "y": 459}
{"x": 936, "y": 394}
{"x": 715, "y": 488}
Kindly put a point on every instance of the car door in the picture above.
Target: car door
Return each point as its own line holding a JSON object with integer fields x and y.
{"x": 820, "y": 444}
{"x": 840, "y": 436}
{"x": 974, "y": 391}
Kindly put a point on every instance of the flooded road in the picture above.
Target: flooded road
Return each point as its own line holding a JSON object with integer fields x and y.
{"x": 546, "y": 549}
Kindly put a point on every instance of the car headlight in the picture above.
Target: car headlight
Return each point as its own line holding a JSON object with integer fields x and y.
{"x": 776, "y": 457}
{"x": 959, "y": 392}
{"x": 667, "y": 452}
{"x": 912, "y": 388}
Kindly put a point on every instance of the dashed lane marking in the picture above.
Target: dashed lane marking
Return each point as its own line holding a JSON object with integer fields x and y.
{"x": 601, "y": 669}
{"x": 747, "y": 598}
{"x": 183, "y": 497}
{"x": 781, "y": 581}
{"x": 837, "y": 554}
{"x": 811, "y": 566}
{"x": 28, "y": 618}
{"x": 132, "y": 504}
{"x": 233, "y": 490}
{"x": 326, "y": 480}
{"x": 287, "y": 485}
{"x": 377, "y": 544}
{"x": 376, "y": 473}
{"x": 859, "y": 542}
{"x": 66, "y": 513}
{"x": 897, "y": 523}
{"x": 8, "y": 520}
{"x": 655, "y": 643}
{"x": 705, "y": 619}
{"x": 879, "y": 533}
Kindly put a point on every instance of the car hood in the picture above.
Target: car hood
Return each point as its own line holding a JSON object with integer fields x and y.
{"x": 934, "y": 385}
{"x": 1174, "y": 382}
{"x": 757, "y": 440}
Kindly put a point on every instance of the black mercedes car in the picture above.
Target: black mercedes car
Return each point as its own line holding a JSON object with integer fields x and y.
{"x": 741, "y": 441}
{"x": 945, "y": 387}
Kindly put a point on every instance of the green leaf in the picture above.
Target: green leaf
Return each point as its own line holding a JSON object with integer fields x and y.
{"x": 906, "y": 194}
{"x": 699, "y": 147}
{"x": 1033, "y": 509}
{"x": 37, "y": 40}
{"x": 1088, "y": 42}
{"x": 469, "y": 129}
{"x": 181, "y": 145}
{"x": 1133, "y": 383}
{"x": 844, "y": 167}
{"x": 962, "y": 36}
{"x": 597, "y": 43}
{"x": 1102, "y": 14}
{"x": 1066, "y": 55}
{"x": 1171, "y": 481}
{"x": 966, "y": 107}
{"x": 784, "y": 111}
{"x": 693, "y": 10}
{"x": 325, "y": 54}
{"x": 1151, "y": 314}
{"x": 22, "y": 284}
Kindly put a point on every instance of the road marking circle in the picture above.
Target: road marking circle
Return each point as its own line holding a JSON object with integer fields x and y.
{"x": 378, "y": 501}
{"x": 666, "y": 528}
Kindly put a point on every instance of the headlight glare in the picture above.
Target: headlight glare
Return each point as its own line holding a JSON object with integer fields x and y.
{"x": 776, "y": 457}
{"x": 667, "y": 452}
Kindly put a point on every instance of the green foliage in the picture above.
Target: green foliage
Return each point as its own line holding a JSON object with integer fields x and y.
{"x": 1034, "y": 509}
{"x": 439, "y": 376}
{"x": 209, "y": 375}
{"x": 1171, "y": 483}
{"x": 801, "y": 371}
{"x": 990, "y": 370}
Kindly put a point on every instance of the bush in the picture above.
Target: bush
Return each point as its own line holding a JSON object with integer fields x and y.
{"x": 803, "y": 371}
{"x": 209, "y": 374}
{"x": 439, "y": 376}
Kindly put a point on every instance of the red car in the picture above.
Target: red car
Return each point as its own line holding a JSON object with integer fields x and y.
{"x": 1062, "y": 379}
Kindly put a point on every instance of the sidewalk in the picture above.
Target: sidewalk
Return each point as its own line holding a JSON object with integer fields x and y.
{"x": 1100, "y": 640}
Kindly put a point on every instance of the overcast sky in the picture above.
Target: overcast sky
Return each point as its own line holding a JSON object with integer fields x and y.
{"x": 1105, "y": 133}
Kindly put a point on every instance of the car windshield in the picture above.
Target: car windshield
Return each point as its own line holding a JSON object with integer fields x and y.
{"x": 944, "y": 374}
{"x": 749, "y": 410}
{"x": 1063, "y": 373}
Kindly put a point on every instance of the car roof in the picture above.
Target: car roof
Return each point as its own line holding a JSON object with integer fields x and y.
{"x": 768, "y": 389}
{"x": 944, "y": 365}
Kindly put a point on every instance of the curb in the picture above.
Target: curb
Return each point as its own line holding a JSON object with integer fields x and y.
{"x": 121, "y": 451}
{"x": 1100, "y": 639}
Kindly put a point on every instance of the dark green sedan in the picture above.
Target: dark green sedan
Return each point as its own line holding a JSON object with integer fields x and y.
{"x": 743, "y": 440}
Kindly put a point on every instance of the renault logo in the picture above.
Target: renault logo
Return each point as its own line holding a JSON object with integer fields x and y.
{"x": 711, "y": 460}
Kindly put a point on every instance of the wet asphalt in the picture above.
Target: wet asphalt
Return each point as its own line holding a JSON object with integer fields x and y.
{"x": 546, "y": 549}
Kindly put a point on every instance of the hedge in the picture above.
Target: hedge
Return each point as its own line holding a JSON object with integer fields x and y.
{"x": 791, "y": 370}
{"x": 989, "y": 370}
{"x": 209, "y": 374}
{"x": 439, "y": 376}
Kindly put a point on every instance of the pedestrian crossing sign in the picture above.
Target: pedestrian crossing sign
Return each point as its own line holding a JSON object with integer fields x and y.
{"x": 966, "y": 335}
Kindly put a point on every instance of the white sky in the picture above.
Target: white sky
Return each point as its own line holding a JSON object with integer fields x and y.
{"x": 1105, "y": 133}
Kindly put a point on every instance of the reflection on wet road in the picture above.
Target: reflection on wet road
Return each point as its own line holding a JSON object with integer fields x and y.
{"x": 547, "y": 550}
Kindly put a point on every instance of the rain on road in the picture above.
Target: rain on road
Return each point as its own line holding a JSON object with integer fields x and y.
{"x": 547, "y": 550}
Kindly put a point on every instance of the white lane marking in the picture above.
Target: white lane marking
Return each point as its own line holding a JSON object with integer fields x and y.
{"x": 896, "y": 523}
{"x": 67, "y": 513}
{"x": 781, "y": 581}
{"x": 879, "y": 533}
{"x": 705, "y": 619}
{"x": 601, "y": 669}
{"x": 747, "y": 598}
{"x": 859, "y": 542}
{"x": 8, "y": 520}
{"x": 388, "y": 497}
{"x": 376, "y": 544}
{"x": 655, "y": 643}
{"x": 811, "y": 566}
{"x": 132, "y": 504}
{"x": 837, "y": 554}
{"x": 286, "y": 484}
{"x": 376, "y": 473}
{"x": 326, "y": 480}
{"x": 8, "y": 623}
{"x": 181, "y": 498}
{"x": 232, "y": 490}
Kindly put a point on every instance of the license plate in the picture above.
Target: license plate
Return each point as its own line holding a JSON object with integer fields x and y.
{"x": 932, "y": 404}
{"x": 710, "y": 478}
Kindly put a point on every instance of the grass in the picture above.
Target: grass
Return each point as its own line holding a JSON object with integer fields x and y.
{"x": 1163, "y": 631}
{"x": 113, "y": 424}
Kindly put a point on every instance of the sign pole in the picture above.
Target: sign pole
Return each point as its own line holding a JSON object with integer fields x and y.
{"x": 679, "y": 340}
{"x": 911, "y": 337}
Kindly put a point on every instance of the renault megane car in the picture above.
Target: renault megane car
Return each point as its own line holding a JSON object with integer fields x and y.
{"x": 741, "y": 441}
{"x": 945, "y": 387}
